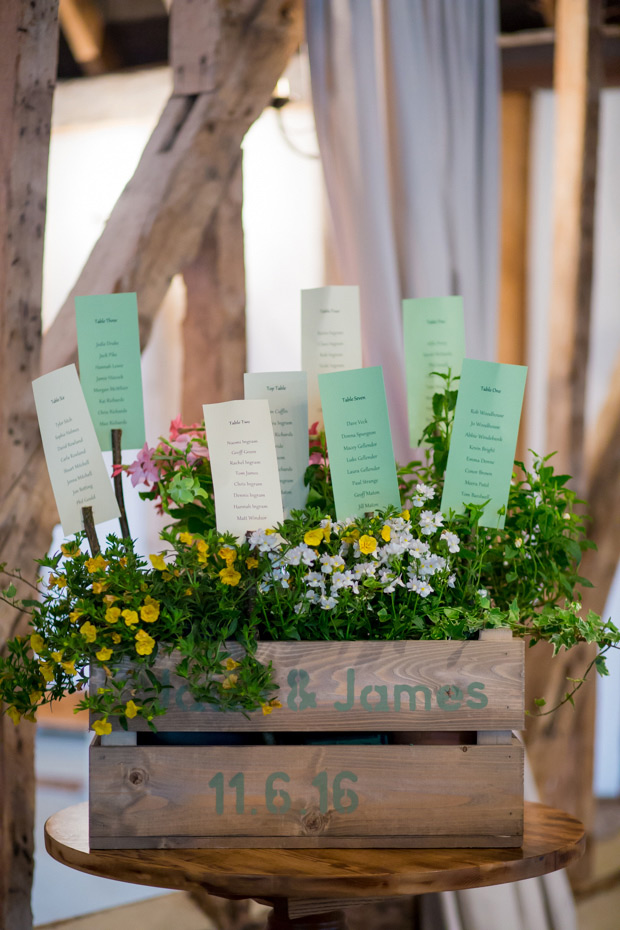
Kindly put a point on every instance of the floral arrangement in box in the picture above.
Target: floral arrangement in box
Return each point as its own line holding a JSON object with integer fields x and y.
{"x": 412, "y": 573}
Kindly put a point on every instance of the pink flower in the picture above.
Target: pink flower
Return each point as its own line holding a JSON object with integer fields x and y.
{"x": 317, "y": 459}
{"x": 314, "y": 429}
{"x": 143, "y": 470}
{"x": 195, "y": 452}
{"x": 178, "y": 428}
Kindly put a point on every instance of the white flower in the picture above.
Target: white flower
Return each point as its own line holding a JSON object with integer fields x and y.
{"x": 390, "y": 580}
{"x": 432, "y": 564}
{"x": 315, "y": 580}
{"x": 331, "y": 563}
{"x": 265, "y": 542}
{"x": 451, "y": 580}
{"x": 429, "y": 521}
{"x": 482, "y": 592}
{"x": 425, "y": 491}
{"x": 345, "y": 580}
{"x": 418, "y": 548}
{"x": 451, "y": 539}
{"x": 328, "y": 602}
{"x": 299, "y": 554}
{"x": 424, "y": 589}
{"x": 518, "y": 543}
{"x": 418, "y": 501}
{"x": 365, "y": 568}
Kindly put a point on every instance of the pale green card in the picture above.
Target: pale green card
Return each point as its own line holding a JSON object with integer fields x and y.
{"x": 434, "y": 335}
{"x": 484, "y": 437}
{"x": 359, "y": 441}
{"x": 109, "y": 356}
{"x": 287, "y": 395}
{"x": 331, "y": 337}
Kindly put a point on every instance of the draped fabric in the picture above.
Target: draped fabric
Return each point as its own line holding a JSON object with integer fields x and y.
{"x": 406, "y": 101}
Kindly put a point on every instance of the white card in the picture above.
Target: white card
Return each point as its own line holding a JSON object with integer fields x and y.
{"x": 287, "y": 395}
{"x": 246, "y": 482}
{"x": 331, "y": 337}
{"x": 77, "y": 471}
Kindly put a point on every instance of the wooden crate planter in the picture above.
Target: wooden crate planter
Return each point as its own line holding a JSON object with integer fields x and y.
{"x": 431, "y": 786}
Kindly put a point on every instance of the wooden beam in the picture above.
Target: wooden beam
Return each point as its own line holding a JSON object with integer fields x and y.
{"x": 83, "y": 27}
{"x": 157, "y": 226}
{"x": 214, "y": 325}
{"x": 512, "y": 330}
{"x": 577, "y": 83}
{"x": 561, "y": 746}
{"x": 527, "y": 58}
{"x": 28, "y": 49}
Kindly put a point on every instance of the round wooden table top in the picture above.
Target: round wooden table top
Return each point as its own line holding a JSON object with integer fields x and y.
{"x": 552, "y": 840}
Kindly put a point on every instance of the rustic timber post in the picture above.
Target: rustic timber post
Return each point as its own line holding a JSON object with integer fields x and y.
{"x": 561, "y": 746}
{"x": 512, "y": 329}
{"x": 158, "y": 224}
{"x": 28, "y": 50}
{"x": 214, "y": 325}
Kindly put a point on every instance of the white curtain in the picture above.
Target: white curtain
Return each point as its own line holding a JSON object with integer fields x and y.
{"x": 406, "y": 100}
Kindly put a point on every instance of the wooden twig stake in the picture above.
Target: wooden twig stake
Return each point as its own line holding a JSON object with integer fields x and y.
{"x": 91, "y": 532}
{"x": 118, "y": 482}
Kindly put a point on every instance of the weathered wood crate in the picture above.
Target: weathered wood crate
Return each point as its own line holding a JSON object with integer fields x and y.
{"x": 450, "y": 775}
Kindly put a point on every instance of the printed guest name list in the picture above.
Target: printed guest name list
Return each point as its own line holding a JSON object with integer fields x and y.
{"x": 244, "y": 464}
{"x": 359, "y": 441}
{"x": 484, "y": 438}
{"x": 74, "y": 461}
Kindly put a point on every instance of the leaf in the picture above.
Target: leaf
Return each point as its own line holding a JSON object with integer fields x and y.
{"x": 11, "y": 591}
{"x": 540, "y": 702}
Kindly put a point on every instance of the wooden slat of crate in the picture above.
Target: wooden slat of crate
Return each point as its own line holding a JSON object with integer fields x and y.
{"x": 153, "y": 796}
{"x": 385, "y": 669}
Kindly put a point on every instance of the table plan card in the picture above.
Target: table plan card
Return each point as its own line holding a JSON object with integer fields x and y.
{"x": 484, "y": 438}
{"x": 359, "y": 441}
{"x": 109, "y": 356}
{"x": 246, "y": 482}
{"x": 74, "y": 461}
{"x": 286, "y": 392}
{"x": 331, "y": 337}
{"x": 434, "y": 336}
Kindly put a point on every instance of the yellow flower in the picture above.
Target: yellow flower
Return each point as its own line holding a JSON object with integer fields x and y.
{"x": 228, "y": 554}
{"x": 75, "y": 615}
{"x": 56, "y": 656}
{"x": 98, "y": 564}
{"x": 267, "y": 708}
{"x": 327, "y": 531}
{"x": 251, "y": 562}
{"x": 386, "y": 533}
{"x": 58, "y": 581}
{"x": 99, "y": 587}
{"x": 131, "y": 617}
{"x": 167, "y": 576}
{"x": 186, "y": 538}
{"x": 230, "y": 682}
{"x": 144, "y": 643}
{"x": 518, "y": 543}
{"x": 102, "y": 727}
{"x": 150, "y": 609}
{"x": 188, "y": 592}
{"x": 112, "y": 614}
{"x": 157, "y": 561}
{"x": 69, "y": 667}
{"x": 368, "y": 544}
{"x": 14, "y": 714}
{"x": 405, "y": 514}
{"x": 37, "y": 643}
{"x": 203, "y": 551}
{"x": 116, "y": 637}
{"x": 70, "y": 551}
{"x": 109, "y": 599}
{"x": 89, "y": 632}
{"x": 104, "y": 654}
{"x": 229, "y": 576}
{"x": 131, "y": 709}
{"x": 352, "y": 536}
{"x": 313, "y": 537}
{"x": 35, "y": 696}
{"x": 275, "y": 703}
{"x": 47, "y": 671}
{"x": 230, "y": 664}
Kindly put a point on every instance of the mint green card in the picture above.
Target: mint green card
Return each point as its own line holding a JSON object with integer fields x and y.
{"x": 434, "y": 335}
{"x": 110, "y": 373}
{"x": 484, "y": 437}
{"x": 359, "y": 441}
